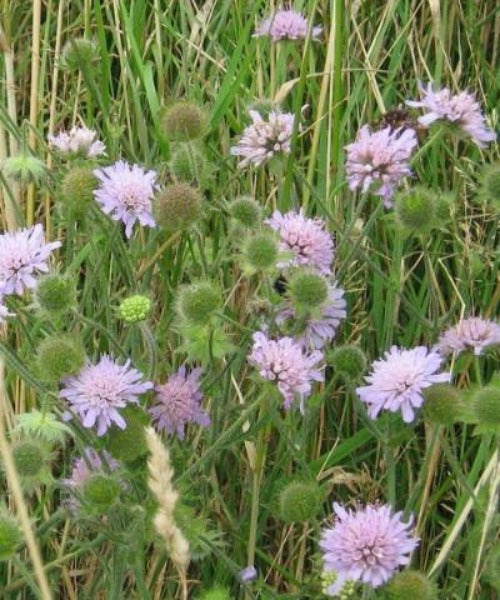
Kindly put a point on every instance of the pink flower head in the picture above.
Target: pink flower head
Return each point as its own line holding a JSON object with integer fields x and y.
{"x": 377, "y": 161}
{"x": 397, "y": 381}
{"x": 98, "y": 392}
{"x": 179, "y": 403}
{"x": 264, "y": 138}
{"x": 307, "y": 240}
{"x": 320, "y": 329}
{"x": 125, "y": 194}
{"x": 473, "y": 333}
{"x": 23, "y": 255}
{"x": 79, "y": 140}
{"x": 367, "y": 545}
{"x": 286, "y": 362}
{"x": 286, "y": 24}
{"x": 460, "y": 109}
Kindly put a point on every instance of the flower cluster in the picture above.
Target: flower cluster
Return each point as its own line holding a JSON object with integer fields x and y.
{"x": 473, "y": 333}
{"x": 78, "y": 140}
{"x": 286, "y": 24}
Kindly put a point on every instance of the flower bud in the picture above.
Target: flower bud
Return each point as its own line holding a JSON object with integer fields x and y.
{"x": 25, "y": 168}
{"x": 135, "y": 308}
{"x": 100, "y": 491}
{"x": 442, "y": 404}
{"x": 59, "y": 356}
{"x": 416, "y": 210}
{"x": 485, "y": 406}
{"x": 184, "y": 121}
{"x": 348, "y": 361}
{"x": 10, "y": 535}
{"x": 445, "y": 201}
{"x": 300, "y": 501}
{"x": 246, "y": 211}
{"x": 259, "y": 252}
{"x": 190, "y": 165}
{"x": 411, "y": 584}
{"x": 489, "y": 188}
{"x": 56, "y": 294}
{"x": 128, "y": 444}
{"x": 216, "y": 593}
{"x": 328, "y": 578}
{"x": 198, "y": 302}
{"x": 77, "y": 191}
{"x": 29, "y": 458}
{"x": 307, "y": 290}
{"x": 176, "y": 207}
{"x": 78, "y": 52}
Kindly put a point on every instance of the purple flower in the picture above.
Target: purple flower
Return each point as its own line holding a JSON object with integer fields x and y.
{"x": 321, "y": 328}
{"x": 98, "y": 391}
{"x": 306, "y": 239}
{"x": 23, "y": 254}
{"x": 286, "y": 362}
{"x": 396, "y": 381}
{"x": 263, "y": 139}
{"x": 125, "y": 194}
{"x": 475, "y": 333}
{"x": 379, "y": 160}
{"x": 460, "y": 109}
{"x": 79, "y": 140}
{"x": 367, "y": 545}
{"x": 247, "y": 574}
{"x": 179, "y": 403}
{"x": 286, "y": 25}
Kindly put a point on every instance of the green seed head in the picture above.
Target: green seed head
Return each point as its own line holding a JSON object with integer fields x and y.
{"x": 25, "y": 168}
{"x": 246, "y": 211}
{"x": 416, "y": 210}
{"x": 307, "y": 290}
{"x": 29, "y": 458}
{"x": 442, "y": 404}
{"x": 135, "y": 308}
{"x": 260, "y": 252}
{"x": 10, "y": 535}
{"x": 348, "y": 361}
{"x": 411, "y": 584}
{"x": 77, "y": 191}
{"x": 100, "y": 491}
{"x": 190, "y": 165}
{"x": 489, "y": 189}
{"x": 78, "y": 52}
{"x": 216, "y": 593}
{"x": 177, "y": 207}
{"x": 128, "y": 444}
{"x": 300, "y": 501}
{"x": 486, "y": 406}
{"x": 184, "y": 121}
{"x": 56, "y": 294}
{"x": 59, "y": 356}
{"x": 198, "y": 302}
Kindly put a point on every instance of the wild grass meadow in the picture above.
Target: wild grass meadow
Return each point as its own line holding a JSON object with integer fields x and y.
{"x": 248, "y": 300}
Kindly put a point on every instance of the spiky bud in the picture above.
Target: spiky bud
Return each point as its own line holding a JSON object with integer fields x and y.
{"x": 25, "y": 168}
{"x": 216, "y": 593}
{"x": 300, "y": 501}
{"x": 190, "y": 165}
{"x": 29, "y": 458}
{"x": 445, "y": 201}
{"x": 259, "y": 252}
{"x": 10, "y": 535}
{"x": 78, "y": 52}
{"x": 176, "y": 207}
{"x": 442, "y": 404}
{"x": 246, "y": 211}
{"x": 307, "y": 290}
{"x": 485, "y": 406}
{"x": 184, "y": 121}
{"x": 416, "y": 210}
{"x": 489, "y": 184}
{"x": 135, "y": 308}
{"x": 56, "y": 294}
{"x": 348, "y": 361}
{"x": 411, "y": 584}
{"x": 77, "y": 191}
{"x": 198, "y": 302}
{"x": 328, "y": 578}
{"x": 100, "y": 491}
{"x": 59, "y": 356}
{"x": 128, "y": 444}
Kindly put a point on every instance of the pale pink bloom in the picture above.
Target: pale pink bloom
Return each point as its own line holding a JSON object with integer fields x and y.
{"x": 460, "y": 109}
{"x": 367, "y": 544}
{"x": 396, "y": 381}
{"x": 378, "y": 161}
{"x": 264, "y": 138}
{"x": 79, "y": 140}
{"x": 473, "y": 333}
{"x": 286, "y": 24}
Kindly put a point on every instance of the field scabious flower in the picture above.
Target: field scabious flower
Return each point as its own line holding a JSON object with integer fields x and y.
{"x": 79, "y": 140}
{"x": 98, "y": 392}
{"x": 179, "y": 403}
{"x": 286, "y": 24}
{"x": 396, "y": 381}
{"x": 23, "y": 255}
{"x": 379, "y": 159}
{"x": 460, "y": 109}
{"x": 307, "y": 239}
{"x": 125, "y": 193}
{"x": 264, "y": 138}
{"x": 473, "y": 333}
{"x": 368, "y": 545}
{"x": 285, "y": 361}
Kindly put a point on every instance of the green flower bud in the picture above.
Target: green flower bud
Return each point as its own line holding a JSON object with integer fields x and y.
{"x": 135, "y": 308}
{"x": 29, "y": 458}
{"x": 307, "y": 290}
{"x": 442, "y": 404}
{"x": 259, "y": 252}
{"x": 416, "y": 210}
{"x": 77, "y": 191}
{"x": 184, "y": 121}
{"x": 328, "y": 578}
{"x": 56, "y": 294}
{"x": 445, "y": 201}
{"x": 485, "y": 406}
{"x": 190, "y": 165}
{"x": 216, "y": 593}
{"x": 411, "y": 584}
{"x": 100, "y": 491}
{"x": 10, "y": 535}
{"x": 300, "y": 501}
{"x": 59, "y": 356}
{"x": 177, "y": 207}
{"x": 246, "y": 211}
{"x": 489, "y": 188}
{"x": 78, "y": 52}
{"x": 198, "y": 302}
{"x": 25, "y": 168}
{"x": 129, "y": 444}
{"x": 348, "y": 361}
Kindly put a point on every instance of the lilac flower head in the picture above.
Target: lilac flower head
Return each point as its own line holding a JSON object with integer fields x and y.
{"x": 125, "y": 194}
{"x": 460, "y": 109}
{"x": 397, "y": 381}
{"x": 475, "y": 333}
{"x": 264, "y": 138}
{"x": 23, "y": 255}
{"x": 379, "y": 159}
{"x": 79, "y": 140}
{"x": 286, "y": 362}
{"x": 367, "y": 545}
{"x": 286, "y": 24}
{"x": 179, "y": 403}
{"x": 247, "y": 574}
{"x": 307, "y": 239}
{"x": 98, "y": 392}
